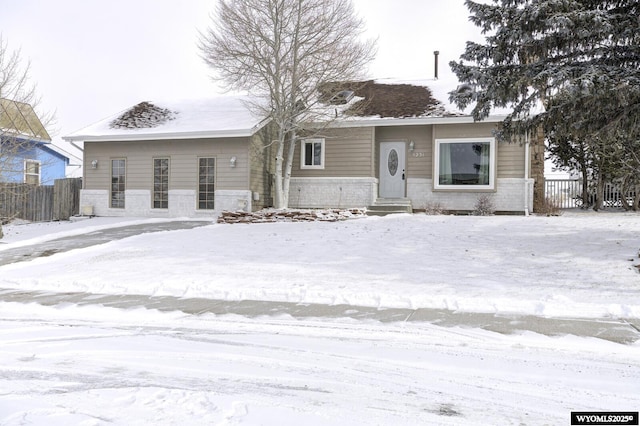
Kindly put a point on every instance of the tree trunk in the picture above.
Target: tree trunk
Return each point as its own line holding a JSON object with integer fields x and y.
{"x": 279, "y": 201}
{"x": 537, "y": 170}
{"x": 288, "y": 166}
{"x": 585, "y": 188}
{"x": 599, "y": 192}
{"x": 626, "y": 188}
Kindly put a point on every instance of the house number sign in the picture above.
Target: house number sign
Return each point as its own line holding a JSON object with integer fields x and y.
{"x": 417, "y": 154}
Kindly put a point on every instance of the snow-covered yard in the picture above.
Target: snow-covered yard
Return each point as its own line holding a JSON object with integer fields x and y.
{"x": 96, "y": 365}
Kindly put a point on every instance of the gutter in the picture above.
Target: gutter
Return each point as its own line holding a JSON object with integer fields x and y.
{"x": 414, "y": 121}
{"x": 161, "y": 136}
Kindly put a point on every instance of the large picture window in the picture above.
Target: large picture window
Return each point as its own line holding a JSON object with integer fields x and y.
{"x": 118, "y": 169}
{"x": 206, "y": 183}
{"x": 312, "y": 154}
{"x": 160, "y": 183}
{"x": 465, "y": 163}
{"x": 32, "y": 172}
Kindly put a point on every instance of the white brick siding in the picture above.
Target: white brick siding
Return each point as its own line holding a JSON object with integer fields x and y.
{"x": 332, "y": 192}
{"x": 182, "y": 203}
{"x": 508, "y": 197}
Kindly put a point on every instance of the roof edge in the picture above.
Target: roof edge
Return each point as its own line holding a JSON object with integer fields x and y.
{"x": 416, "y": 121}
{"x": 198, "y": 134}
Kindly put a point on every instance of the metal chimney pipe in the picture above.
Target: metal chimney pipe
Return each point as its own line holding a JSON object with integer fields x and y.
{"x": 435, "y": 59}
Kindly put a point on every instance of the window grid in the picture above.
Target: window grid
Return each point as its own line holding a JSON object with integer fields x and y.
{"x": 118, "y": 169}
{"x": 206, "y": 183}
{"x": 32, "y": 172}
{"x": 160, "y": 183}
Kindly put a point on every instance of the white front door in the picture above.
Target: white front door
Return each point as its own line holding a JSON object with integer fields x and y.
{"x": 392, "y": 169}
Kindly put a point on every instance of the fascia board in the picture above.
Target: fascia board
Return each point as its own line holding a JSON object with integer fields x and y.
{"x": 160, "y": 136}
{"x": 379, "y": 122}
{"x": 122, "y": 137}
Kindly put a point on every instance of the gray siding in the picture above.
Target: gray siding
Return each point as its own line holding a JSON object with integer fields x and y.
{"x": 183, "y": 155}
{"x": 420, "y": 161}
{"x": 510, "y": 160}
{"x": 348, "y": 153}
{"x": 483, "y": 130}
{"x": 351, "y": 153}
{"x": 262, "y": 168}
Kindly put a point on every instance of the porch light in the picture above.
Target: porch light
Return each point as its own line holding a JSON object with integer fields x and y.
{"x": 412, "y": 146}
{"x": 232, "y": 162}
{"x": 94, "y": 164}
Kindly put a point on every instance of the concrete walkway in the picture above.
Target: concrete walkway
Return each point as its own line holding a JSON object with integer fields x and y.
{"x": 614, "y": 330}
{"x": 89, "y": 239}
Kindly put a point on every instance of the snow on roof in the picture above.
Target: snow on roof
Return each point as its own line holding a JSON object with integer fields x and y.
{"x": 384, "y": 102}
{"x": 223, "y": 116}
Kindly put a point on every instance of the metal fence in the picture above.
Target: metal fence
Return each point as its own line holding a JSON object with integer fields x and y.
{"x": 567, "y": 194}
{"x": 40, "y": 203}
{"x": 563, "y": 193}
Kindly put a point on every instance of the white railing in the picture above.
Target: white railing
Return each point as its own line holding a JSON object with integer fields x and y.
{"x": 567, "y": 194}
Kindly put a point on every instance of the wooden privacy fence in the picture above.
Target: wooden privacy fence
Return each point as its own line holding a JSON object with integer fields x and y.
{"x": 41, "y": 203}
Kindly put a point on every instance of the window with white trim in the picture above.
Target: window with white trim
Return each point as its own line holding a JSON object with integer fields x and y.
{"x": 32, "y": 172}
{"x": 468, "y": 163}
{"x": 118, "y": 181}
{"x": 312, "y": 154}
{"x": 160, "y": 183}
{"x": 206, "y": 183}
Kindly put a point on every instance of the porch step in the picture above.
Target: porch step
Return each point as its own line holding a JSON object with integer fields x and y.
{"x": 385, "y": 206}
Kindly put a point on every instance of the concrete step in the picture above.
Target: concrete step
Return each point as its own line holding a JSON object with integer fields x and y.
{"x": 383, "y": 207}
{"x": 392, "y": 202}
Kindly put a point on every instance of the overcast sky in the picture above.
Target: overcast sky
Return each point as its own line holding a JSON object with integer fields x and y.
{"x": 93, "y": 58}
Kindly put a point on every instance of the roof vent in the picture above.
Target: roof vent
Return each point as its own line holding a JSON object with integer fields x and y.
{"x": 341, "y": 97}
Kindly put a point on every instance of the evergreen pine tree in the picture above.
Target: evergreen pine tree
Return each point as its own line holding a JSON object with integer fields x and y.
{"x": 569, "y": 67}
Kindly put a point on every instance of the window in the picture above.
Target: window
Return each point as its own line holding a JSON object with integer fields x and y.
{"x": 117, "y": 183}
{"x": 160, "y": 183}
{"x": 465, "y": 163}
{"x": 206, "y": 183}
{"x": 312, "y": 154}
{"x": 32, "y": 172}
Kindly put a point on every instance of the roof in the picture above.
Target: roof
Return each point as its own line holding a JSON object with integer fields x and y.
{"x": 386, "y": 100}
{"x": 371, "y": 103}
{"x": 223, "y": 116}
{"x": 55, "y": 151}
{"x": 391, "y": 102}
{"x": 19, "y": 119}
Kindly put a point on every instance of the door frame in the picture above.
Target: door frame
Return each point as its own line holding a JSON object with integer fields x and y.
{"x": 401, "y": 149}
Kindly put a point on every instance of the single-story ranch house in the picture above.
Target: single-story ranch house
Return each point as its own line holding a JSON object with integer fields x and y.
{"x": 391, "y": 141}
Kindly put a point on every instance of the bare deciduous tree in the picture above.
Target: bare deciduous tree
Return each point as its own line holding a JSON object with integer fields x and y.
{"x": 280, "y": 52}
{"x": 18, "y": 94}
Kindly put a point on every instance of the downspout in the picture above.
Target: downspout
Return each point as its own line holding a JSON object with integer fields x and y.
{"x": 527, "y": 159}
{"x": 77, "y": 146}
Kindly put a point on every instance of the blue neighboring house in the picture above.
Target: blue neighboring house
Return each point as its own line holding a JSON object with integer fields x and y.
{"x": 26, "y": 152}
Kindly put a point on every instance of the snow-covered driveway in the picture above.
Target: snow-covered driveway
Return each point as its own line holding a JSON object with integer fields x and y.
{"x": 94, "y": 365}
{"x": 98, "y": 366}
